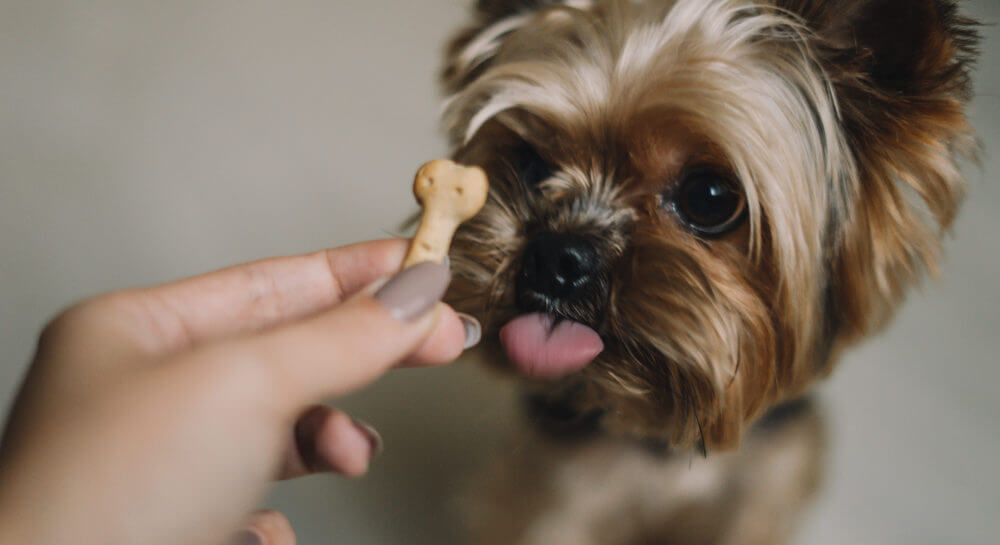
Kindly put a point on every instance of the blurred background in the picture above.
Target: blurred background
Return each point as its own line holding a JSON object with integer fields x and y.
{"x": 145, "y": 141}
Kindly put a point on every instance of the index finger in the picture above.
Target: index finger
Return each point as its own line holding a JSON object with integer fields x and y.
{"x": 259, "y": 295}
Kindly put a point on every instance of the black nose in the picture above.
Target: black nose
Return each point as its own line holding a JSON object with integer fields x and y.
{"x": 558, "y": 266}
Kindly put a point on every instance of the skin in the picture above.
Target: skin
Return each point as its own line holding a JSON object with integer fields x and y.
{"x": 159, "y": 416}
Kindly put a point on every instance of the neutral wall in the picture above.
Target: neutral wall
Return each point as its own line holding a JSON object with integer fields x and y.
{"x": 145, "y": 141}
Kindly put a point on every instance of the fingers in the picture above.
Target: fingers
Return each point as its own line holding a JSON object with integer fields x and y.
{"x": 329, "y": 441}
{"x": 254, "y": 296}
{"x": 454, "y": 333}
{"x": 266, "y": 293}
{"x": 350, "y": 345}
{"x": 265, "y": 528}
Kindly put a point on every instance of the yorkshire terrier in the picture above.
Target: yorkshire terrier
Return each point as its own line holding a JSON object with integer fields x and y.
{"x": 695, "y": 206}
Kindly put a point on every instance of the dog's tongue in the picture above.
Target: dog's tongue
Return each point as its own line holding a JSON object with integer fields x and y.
{"x": 544, "y": 352}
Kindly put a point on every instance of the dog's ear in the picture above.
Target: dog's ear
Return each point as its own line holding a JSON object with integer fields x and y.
{"x": 901, "y": 73}
{"x": 911, "y": 47}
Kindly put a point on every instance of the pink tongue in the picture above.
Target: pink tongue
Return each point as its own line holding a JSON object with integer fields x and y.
{"x": 539, "y": 351}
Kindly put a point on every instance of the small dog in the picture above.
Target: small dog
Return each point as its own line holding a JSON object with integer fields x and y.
{"x": 696, "y": 205}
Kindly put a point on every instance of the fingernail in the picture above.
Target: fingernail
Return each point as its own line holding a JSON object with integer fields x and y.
{"x": 473, "y": 330}
{"x": 247, "y": 537}
{"x": 414, "y": 291}
{"x": 447, "y": 262}
{"x": 373, "y": 436}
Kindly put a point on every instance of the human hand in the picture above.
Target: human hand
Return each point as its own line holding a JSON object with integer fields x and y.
{"x": 158, "y": 416}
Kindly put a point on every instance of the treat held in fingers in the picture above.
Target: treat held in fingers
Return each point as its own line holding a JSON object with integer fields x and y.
{"x": 449, "y": 194}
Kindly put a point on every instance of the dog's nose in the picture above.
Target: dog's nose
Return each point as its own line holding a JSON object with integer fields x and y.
{"x": 558, "y": 266}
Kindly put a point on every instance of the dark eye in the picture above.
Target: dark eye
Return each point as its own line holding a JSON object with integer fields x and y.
{"x": 710, "y": 203}
{"x": 531, "y": 168}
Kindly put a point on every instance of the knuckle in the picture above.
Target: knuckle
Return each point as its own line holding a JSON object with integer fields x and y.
{"x": 73, "y": 319}
{"x": 57, "y": 327}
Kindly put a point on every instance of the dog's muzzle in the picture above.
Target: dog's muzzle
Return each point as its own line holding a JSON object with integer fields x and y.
{"x": 558, "y": 271}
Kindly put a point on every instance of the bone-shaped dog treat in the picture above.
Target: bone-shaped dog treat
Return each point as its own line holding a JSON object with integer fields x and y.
{"x": 450, "y": 194}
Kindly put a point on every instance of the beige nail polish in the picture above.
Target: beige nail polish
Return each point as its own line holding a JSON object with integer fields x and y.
{"x": 473, "y": 330}
{"x": 414, "y": 291}
{"x": 374, "y": 437}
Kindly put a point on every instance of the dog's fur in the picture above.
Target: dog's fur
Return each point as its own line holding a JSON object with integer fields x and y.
{"x": 841, "y": 122}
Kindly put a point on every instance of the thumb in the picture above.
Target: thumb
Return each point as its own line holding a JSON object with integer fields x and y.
{"x": 354, "y": 343}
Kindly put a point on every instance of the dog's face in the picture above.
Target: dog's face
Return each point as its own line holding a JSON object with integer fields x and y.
{"x": 715, "y": 195}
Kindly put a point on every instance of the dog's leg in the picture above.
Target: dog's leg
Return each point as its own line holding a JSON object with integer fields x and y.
{"x": 601, "y": 491}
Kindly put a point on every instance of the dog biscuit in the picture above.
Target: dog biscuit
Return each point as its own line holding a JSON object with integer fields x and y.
{"x": 449, "y": 194}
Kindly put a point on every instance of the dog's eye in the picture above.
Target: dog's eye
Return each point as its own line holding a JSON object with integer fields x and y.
{"x": 532, "y": 169}
{"x": 710, "y": 203}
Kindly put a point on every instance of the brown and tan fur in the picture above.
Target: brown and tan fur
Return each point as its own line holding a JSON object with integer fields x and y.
{"x": 843, "y": 122}
{"x": 601, "y": 490}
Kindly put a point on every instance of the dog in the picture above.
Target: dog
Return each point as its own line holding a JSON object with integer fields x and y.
{"x": 695, "y": 207}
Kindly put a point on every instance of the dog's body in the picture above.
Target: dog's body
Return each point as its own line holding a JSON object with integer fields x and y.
{"x": 597, "y": 489}
{"x": 695, "y": 206}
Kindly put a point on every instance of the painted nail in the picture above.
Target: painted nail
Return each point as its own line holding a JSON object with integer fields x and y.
{"x": 373, "y": 436}
{"x": 414, "y": 291}
{"x": 473, "y": 330}
{"x": 247, "y": 537}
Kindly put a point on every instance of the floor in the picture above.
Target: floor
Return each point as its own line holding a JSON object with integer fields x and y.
{"x": 145, "y": 141}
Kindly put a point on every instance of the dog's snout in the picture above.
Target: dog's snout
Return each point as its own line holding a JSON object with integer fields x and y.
{"x": 559, "y": 266}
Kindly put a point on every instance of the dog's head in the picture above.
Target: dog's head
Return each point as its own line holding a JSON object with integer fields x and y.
{"x": 717, "y": 195}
